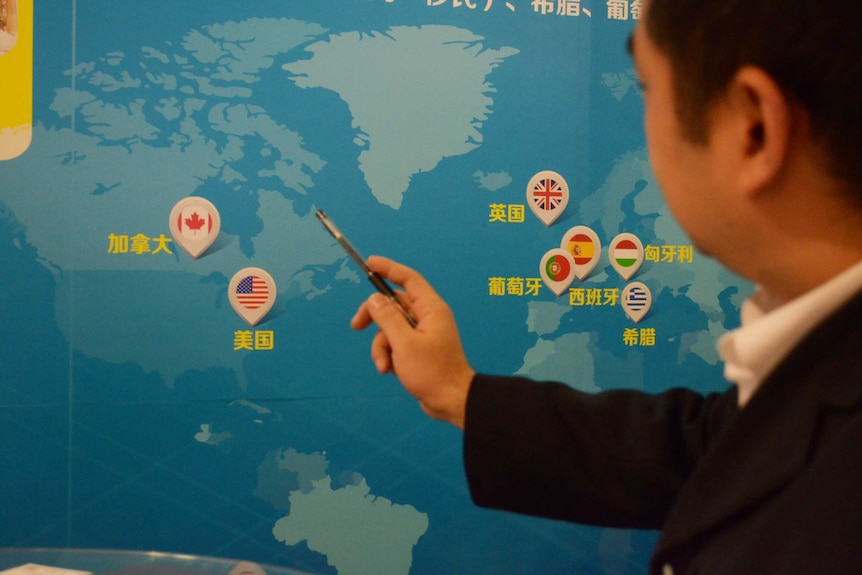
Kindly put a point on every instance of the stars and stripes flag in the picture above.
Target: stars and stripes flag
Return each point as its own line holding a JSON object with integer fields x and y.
{"x": 548, "y": 194}
{"x": 252, "y": 292}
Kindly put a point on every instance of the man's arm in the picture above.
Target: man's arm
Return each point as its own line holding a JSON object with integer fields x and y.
{"x": 428, "y": 360}
{"x": 616, "y": 458}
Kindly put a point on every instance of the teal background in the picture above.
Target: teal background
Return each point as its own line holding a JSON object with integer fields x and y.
{"x": 127, "y": 419}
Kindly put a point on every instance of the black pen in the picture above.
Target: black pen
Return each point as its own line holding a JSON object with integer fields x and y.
{"x": 375, "y": 279}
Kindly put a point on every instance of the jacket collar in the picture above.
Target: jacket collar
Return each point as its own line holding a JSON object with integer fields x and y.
{"x": 771, "y": 439}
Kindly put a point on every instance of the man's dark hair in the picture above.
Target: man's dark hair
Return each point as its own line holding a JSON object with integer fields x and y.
{"x": 811, "y": 48}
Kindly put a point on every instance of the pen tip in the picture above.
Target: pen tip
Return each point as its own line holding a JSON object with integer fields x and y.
{"x": 320, "y": 214}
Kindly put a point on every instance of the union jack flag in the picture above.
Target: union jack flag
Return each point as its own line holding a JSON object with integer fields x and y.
{"x": 548, "y": 194}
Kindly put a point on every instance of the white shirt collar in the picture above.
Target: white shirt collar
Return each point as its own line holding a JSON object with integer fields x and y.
{"x": 771, "y": 329}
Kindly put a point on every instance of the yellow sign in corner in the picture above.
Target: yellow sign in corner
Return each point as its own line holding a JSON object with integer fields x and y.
{"x": 16, "y": 77}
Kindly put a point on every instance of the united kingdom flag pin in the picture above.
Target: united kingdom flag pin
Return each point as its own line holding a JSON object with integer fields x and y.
{"x": 195, "y": 224}
{"x": 547, "y": 196}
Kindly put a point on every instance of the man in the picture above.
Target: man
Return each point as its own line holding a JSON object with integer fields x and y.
{"x": 754, "y": 128}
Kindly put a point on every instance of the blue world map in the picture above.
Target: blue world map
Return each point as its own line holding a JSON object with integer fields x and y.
{"x": 405, "y": 122}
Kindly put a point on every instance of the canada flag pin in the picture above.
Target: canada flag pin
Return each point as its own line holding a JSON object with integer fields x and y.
{"x": 195, "y": 225}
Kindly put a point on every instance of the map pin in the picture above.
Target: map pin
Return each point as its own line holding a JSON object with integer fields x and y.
{"x": 251, "y": 293}
{"x": 548, "y": 196}
{"x": 636, "y": 300}
{"x": 557, "y": 270}
{"x": 584, "y": 246}
{"x": 626, "y": 253}
{"x": 195, "y": 224}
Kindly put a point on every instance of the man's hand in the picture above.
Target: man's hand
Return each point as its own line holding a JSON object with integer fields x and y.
{"x": 428, "y": 360}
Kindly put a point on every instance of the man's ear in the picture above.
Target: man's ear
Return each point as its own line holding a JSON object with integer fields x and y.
{"x": 762, "y": 126}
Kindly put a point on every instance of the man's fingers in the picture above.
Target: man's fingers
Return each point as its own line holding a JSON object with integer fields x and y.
{"x": 388, "y": 317}
{"x": 381, "y": 353}
{"x": 392, "y": 270}
{"x": 380, "y": 310}
{"x": 421, "y": 297}
{"x": 412, "y": 281}
{"x": 362, "y": 318}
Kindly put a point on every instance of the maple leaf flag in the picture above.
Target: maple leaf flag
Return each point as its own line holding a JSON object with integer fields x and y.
{"x": 194, "y": 223}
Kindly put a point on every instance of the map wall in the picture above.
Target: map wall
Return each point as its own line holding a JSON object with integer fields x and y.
{"x": 139, "y": 410}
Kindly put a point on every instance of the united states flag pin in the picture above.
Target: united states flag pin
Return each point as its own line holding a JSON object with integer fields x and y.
{"x": 252, "y": 294}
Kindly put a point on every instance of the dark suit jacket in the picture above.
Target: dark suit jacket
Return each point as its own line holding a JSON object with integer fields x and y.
{"x": 774, "y": 488}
